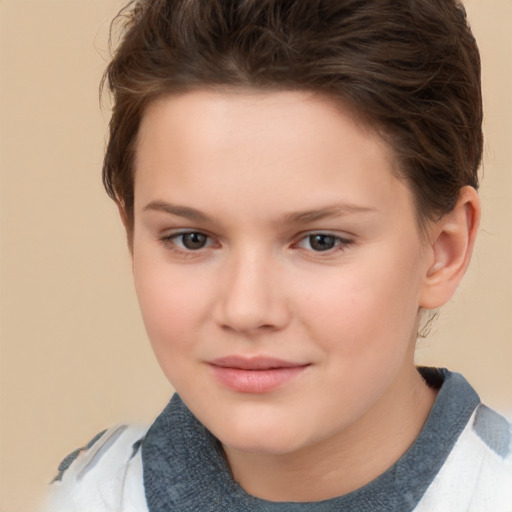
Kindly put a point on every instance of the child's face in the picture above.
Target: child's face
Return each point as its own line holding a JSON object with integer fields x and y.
{"x": 278, "y": 265}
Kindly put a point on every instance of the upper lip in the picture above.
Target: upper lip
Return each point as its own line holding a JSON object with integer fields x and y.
{"x": 254, "y": 363}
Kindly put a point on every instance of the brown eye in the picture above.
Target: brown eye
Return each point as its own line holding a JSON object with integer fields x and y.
{"x": 323, "y": 242}
{"x": 192, "y": 241}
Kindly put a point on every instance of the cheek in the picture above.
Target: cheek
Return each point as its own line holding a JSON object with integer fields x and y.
{"x": 364, "y": 307}
{"x": 169, "y": 303}
{"x": 170, "y": 310}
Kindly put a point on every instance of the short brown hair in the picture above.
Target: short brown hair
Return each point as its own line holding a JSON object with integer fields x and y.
{"x": 410, "y": 68}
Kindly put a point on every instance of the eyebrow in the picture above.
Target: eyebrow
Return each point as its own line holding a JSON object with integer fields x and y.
{"x": 179, "y": 211}
{"x": 336, "y": 210}
{"x": 300, "y": 217}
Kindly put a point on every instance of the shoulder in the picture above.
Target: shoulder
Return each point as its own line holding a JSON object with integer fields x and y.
{"x": 105, "y": 475}
{"x": 478, "y": 471}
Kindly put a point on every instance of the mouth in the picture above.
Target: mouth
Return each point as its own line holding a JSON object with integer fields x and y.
{"x": 256, "y": 374}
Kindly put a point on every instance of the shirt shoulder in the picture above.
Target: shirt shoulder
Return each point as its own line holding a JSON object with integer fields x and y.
{"x": 477, "y": 475}
{"x": 103, "y": 476}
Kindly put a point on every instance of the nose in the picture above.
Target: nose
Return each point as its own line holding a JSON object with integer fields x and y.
{"x": 252, "y": 298}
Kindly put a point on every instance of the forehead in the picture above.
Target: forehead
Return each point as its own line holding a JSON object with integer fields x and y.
{"x": 304, "y": 147}
{"x": 247, "y": 110}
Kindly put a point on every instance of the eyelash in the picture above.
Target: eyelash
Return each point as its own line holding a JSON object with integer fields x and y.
{"x": 170, "y": 241}
{"x": 340, "y": 243}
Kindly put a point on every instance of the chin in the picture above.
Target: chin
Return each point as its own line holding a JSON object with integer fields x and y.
{"x": 261, "y": 446}
{"x": 272, "y": 437}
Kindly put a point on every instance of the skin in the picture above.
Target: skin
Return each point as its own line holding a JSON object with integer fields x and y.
{"x": 258, "y": 174}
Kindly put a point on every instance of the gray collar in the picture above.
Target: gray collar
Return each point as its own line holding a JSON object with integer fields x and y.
{"x": 185, "y": 471}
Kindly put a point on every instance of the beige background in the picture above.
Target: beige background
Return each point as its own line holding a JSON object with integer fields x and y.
{"x": 74, "y": 356}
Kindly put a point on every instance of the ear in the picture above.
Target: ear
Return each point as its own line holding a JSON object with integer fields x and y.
{"x": 451, "y": 243}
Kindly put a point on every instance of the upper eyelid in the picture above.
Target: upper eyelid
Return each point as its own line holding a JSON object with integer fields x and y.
{"x": 169, "y": 233}
{"x": 327, "y": 232}
{"x": 340, "y": 245}
{"x": 169, "y": 241}
{"x": 172, "y": 233}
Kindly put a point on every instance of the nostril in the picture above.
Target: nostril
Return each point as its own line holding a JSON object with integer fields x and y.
{"x": 245, "y": 321}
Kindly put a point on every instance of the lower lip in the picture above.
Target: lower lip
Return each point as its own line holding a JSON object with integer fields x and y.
{"x": 256, "y": 381}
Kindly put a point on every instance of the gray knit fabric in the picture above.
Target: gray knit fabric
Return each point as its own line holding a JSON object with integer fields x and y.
{"x": 184, "y": 468}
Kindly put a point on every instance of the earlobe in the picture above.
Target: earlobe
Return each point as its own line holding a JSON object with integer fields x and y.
{"x": 452, "y": 241}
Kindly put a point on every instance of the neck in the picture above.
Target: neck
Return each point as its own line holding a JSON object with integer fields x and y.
{"x": 345, "y": 461}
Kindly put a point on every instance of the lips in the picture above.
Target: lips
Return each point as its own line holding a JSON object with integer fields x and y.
{"x": 255, "y": 374}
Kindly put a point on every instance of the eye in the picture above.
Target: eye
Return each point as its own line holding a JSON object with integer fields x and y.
{"x": 189, "y": 241}
{"x": 322, "y": 242}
